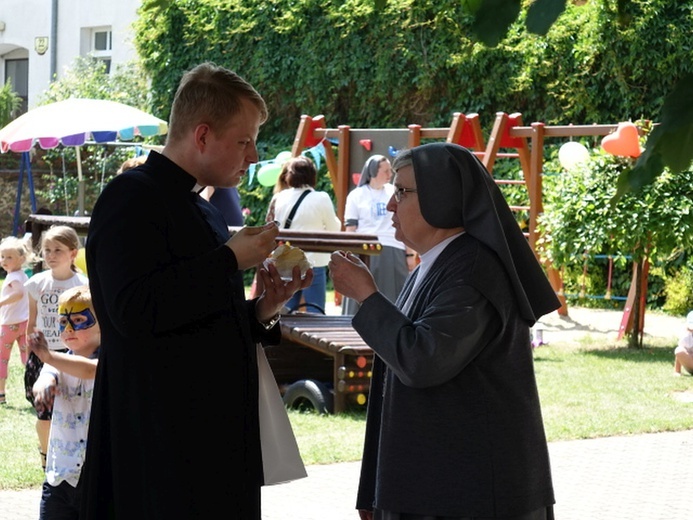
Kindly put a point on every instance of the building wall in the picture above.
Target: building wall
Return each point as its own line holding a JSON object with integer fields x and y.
{"x": 26, "y": 20}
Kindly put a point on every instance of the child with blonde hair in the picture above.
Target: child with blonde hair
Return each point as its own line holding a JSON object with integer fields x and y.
{"x": 14, "y": 305}
{"x": 66, "y": 384}
{"x": 59, "y": 247}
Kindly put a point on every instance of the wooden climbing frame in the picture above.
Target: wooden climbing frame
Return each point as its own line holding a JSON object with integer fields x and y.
{"x": 509, "y": 139}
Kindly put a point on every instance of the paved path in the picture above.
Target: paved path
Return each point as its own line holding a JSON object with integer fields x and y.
{"x": 640, "y": 477}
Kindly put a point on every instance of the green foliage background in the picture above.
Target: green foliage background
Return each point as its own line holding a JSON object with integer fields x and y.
{"x": 580, "y": 228}
{"x": 419, "y": 62}
{"x": 416, "y": 62}
{"x": 88, "y": 78}
{"x": 9, "y": 103}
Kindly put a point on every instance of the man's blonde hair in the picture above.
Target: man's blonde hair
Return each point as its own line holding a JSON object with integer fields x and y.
{"x": 213, "y": 95}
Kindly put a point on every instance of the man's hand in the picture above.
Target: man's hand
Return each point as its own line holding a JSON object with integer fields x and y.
{"x": 252, "y": 245}
{"x": 276, "y": 291}
{"x": 351, "y": 276}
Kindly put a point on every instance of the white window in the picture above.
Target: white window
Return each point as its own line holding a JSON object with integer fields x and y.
{"x": 17, "y": 71}
{"x": 102, "y": 45}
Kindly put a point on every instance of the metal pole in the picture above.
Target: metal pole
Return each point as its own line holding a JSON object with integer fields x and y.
{"x": 80, "y": 183}
{"x": 54, "y": 40}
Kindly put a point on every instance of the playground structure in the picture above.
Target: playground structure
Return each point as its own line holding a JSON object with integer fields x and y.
{"x": 508, "y": 139}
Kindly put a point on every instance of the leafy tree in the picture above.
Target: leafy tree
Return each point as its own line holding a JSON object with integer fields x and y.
{"x": 88, "y": 78}
{"x": 670, "y": 145}
{"x": 654, "y": 225}
{"x": 9, "y": 103}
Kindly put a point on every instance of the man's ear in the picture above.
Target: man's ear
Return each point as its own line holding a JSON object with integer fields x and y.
{"x": 202, "y": 132}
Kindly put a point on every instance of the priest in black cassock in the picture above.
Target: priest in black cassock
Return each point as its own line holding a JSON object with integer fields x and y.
{"x": 174, "y": 424}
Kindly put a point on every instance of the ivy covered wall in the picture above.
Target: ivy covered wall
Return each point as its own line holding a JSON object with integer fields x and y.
{"x": 415, "y": 61}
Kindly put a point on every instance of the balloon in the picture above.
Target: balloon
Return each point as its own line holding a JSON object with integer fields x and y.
{"x": 624, "y": 142}
{"x": 572, "y": 154}
{"x": 282, "y": 157}
{"x": 81, "y": 261}
{"x": 268, "y": 174}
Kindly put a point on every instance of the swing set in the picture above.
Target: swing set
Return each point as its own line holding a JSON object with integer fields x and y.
{"x": 508, "y": 139}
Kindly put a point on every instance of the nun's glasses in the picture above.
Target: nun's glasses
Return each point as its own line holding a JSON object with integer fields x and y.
{"x": 400, "y": 191}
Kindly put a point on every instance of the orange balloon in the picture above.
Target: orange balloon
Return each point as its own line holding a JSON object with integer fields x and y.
{"x": 624, "y": 142}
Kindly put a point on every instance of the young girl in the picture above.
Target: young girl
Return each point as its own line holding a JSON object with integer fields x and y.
{"x": 59, "y": 247}
{"x": 14, "y": 305}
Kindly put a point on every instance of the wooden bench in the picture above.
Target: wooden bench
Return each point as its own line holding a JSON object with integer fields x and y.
{"x": 333, "y": 352}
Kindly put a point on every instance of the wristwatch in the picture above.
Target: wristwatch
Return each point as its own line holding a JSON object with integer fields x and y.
{"x": 272, "y": 322}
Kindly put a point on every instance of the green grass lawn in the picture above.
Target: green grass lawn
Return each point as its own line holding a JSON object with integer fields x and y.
{"x": 589, "y": 390}
{"x": 600, "y": 390}
{"x": 20, "y": 462}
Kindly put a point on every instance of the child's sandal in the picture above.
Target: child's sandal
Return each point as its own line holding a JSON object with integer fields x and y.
{"x": 2, "y": 399}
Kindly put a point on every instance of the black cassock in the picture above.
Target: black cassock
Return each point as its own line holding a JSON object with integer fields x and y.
{"x": 174, "y": 425}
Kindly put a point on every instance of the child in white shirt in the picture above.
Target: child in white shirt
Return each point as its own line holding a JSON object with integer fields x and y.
{"x": 683, "y": 354}
{"x": 14, "y": 305}
{"x": 66, "y": 384}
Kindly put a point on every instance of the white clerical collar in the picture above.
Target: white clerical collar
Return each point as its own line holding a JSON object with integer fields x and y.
{"x": 430, "y": 256}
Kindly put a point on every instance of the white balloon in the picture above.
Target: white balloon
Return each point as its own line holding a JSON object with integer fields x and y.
{"x": 572, "y": 154}
{"x": 282, "y": 157}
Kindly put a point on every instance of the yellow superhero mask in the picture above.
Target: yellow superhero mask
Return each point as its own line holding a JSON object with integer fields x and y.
{"x": 77, "y": 316}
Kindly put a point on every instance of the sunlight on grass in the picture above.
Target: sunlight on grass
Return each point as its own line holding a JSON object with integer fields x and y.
{"x": 590, "y": 390}
{"x": 20, "y": 462}
{"x": 324, "y": 439}
{"x": 595, "y": 391}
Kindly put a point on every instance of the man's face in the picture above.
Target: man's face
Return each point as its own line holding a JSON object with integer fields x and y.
{"x": 226, "y": 156}
{"x": 410, "y": 226}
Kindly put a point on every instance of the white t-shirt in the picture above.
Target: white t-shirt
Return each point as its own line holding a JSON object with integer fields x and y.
{"x": 45, "y": 290}
{"x": 369, "y": 208}
{"x": 685, "y": 343}
{"x": 68, "y": 438}
{"x": 18, "y": 311}
{"x": 315, "y": 213}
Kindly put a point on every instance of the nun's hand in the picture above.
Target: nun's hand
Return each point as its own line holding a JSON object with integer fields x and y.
{"x": 351, "y": 276}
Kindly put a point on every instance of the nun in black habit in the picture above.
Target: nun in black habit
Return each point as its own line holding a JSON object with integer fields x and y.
{"x": 454, "y": 426}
